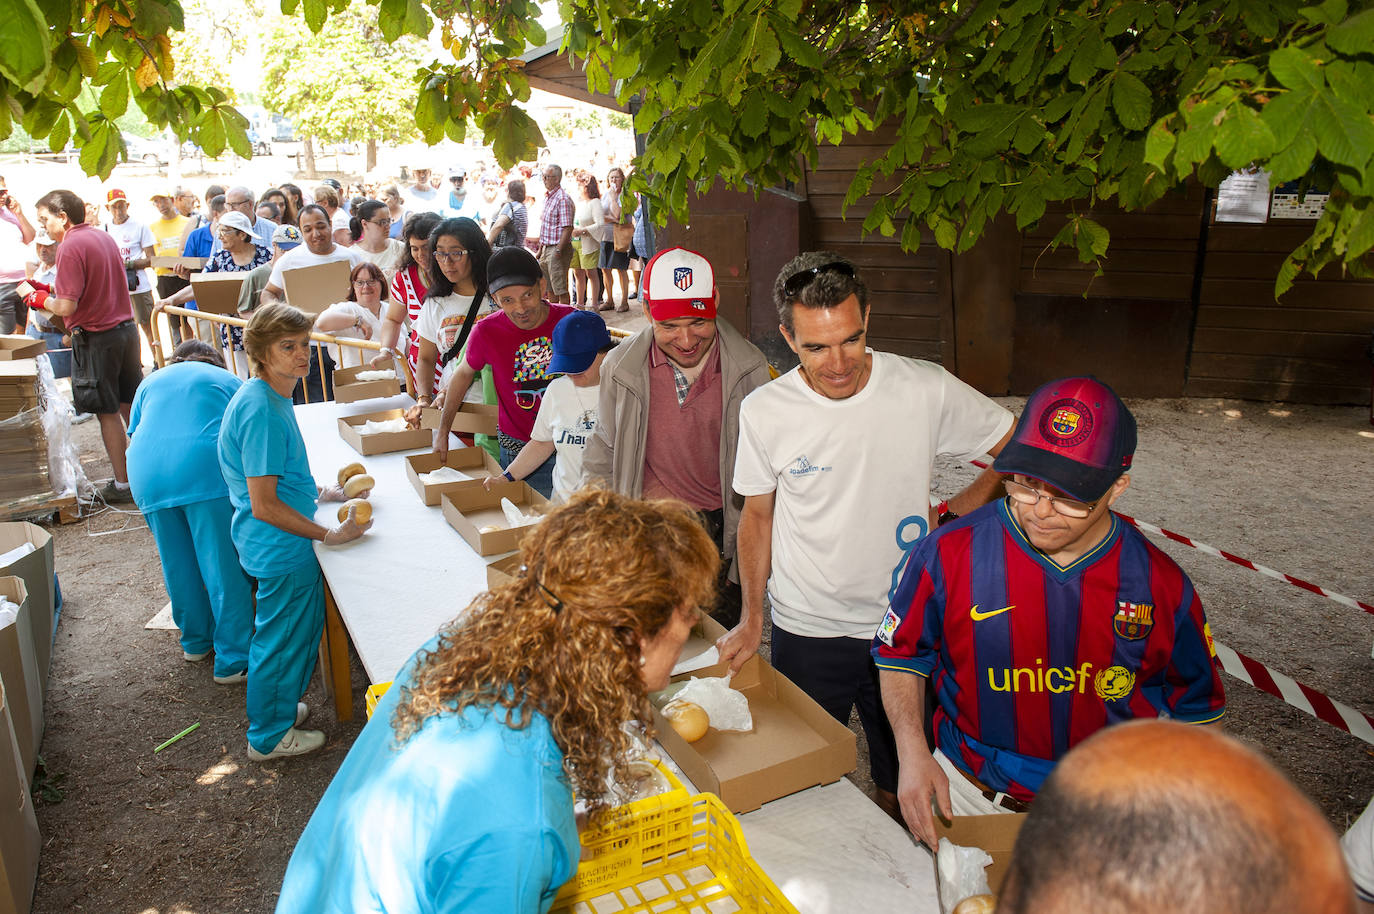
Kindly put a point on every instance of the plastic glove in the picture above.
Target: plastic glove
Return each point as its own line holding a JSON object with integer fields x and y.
{"x": 347, "y": 531}
{"x": 334, "y": 493}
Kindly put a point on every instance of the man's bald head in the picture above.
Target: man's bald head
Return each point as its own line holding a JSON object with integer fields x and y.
{"x": 1159, "y": 816}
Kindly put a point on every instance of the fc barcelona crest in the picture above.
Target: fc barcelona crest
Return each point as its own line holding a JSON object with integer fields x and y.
{"x": 1133, "y": 621}
{"x": 682, "y": 277}
{"x": 1066, "y": 422}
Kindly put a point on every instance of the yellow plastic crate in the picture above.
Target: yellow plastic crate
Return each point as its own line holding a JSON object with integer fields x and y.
{"x": 672, "y": 852}
{"x": 374, "y": 695}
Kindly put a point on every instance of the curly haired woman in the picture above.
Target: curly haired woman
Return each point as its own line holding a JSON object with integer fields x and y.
{"x": 458, "y": 794}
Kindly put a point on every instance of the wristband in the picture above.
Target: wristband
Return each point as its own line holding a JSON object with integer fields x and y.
{"x": 943, "y": 514}
{"x": 509, "y": 477}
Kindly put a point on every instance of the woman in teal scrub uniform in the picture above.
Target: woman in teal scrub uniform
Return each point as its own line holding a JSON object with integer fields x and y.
{"x": 262, "y": 457}
{"x": 458, "y": 794}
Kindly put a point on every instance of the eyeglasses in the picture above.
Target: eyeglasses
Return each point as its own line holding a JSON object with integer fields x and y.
{"x": 793, "y": 285}
{"x": 1068, "y": 507}
{"x": 366, "y": 283}
{"x": 528, "y": 399}
{"x": 239, "y": 203}
{"x": 384, "y": 222}
{"x": 450, "y": 256}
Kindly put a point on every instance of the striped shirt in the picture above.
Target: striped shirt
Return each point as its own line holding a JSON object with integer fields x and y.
{"x": 1029, "y": 659}
{"x": 557, "y": 215}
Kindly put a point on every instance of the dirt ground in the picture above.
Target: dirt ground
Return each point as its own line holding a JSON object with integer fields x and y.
{"x": 199, "y": 829}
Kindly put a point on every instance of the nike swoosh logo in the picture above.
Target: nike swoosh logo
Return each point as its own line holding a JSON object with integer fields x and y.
{"x": 976, "y": 616}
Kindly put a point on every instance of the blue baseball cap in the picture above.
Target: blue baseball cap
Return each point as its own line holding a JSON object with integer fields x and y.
{"x": 577, "y": 339}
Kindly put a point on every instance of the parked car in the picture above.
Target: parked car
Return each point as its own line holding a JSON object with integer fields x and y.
{"x": 148, "y": 152}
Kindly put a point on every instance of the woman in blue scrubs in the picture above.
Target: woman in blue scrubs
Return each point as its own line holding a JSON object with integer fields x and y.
{"x": 263, "y": 459}
{"x": 174, "y": 473}
{"x": 458, "y": 794}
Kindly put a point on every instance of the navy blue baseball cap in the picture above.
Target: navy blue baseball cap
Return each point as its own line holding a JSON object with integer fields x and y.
{"x": 1075, "y": 435}
{"x": 577, "y": 339}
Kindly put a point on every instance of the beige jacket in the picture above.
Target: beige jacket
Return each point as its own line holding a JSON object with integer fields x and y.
{"x": 616, "y": 452}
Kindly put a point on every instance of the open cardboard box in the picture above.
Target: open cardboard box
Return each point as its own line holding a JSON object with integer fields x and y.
{"x": 502, "y": 570}
{"x": 19, "y": 838}
{"x": 18, "y": 346}
{"x": 476, "y": 419}
{"x": 36, "y": 571}
{"x": 19, "y": 673}
{"x": 348, "y": 389}
{"x": 469, "y": 510}
{"x": 218, "y": 293}
{"x": 387, "y": 442}
{"x": 474, "y": 461}
{"x": 313, "y": 289}
{"x": 794, "y": 745}
{"x": 995, "y": 833}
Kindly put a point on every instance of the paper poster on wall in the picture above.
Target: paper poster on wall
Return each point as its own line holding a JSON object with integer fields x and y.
{"x": 1244, "y": 197}
{"x": 1288, "y": 203}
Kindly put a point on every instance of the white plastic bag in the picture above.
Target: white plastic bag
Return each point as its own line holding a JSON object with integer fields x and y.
{"x": 64, "y": 461}
{"x": 961, "y": 873}
{"x": 727, "y": 707}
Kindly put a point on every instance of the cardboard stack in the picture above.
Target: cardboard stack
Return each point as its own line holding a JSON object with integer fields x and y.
{"x": 23, "y": 446}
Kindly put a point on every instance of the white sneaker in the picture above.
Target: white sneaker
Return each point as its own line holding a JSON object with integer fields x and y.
{"x": 82, "y": 417}
{"x": 302, "y": 712}
{"x": 295, "y": 742}
{"x": 194, "y": 658}
{"x": 233, "y": 678}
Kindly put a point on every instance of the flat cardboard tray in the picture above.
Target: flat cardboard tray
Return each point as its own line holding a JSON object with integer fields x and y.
{"x": 795, "y": 744}
{"x": 469, "y": 510}
{"x": 18, "y": 346}
{"x": 315, "y": 288}
{"x": 170, "y": 262}
{"x": 348, "y": 389}
{"x": 474, "y": 461}
{"x": 387, "y": 442}
{"x": 476, "y": 419}
{"x": 502, "y": 570}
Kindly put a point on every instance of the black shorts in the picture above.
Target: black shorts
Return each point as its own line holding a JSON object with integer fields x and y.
{"x": 611, "y": 259}
{"x": 106, "y": 368}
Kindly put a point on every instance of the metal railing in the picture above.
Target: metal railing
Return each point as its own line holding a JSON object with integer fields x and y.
{"x": 206, "y": 327}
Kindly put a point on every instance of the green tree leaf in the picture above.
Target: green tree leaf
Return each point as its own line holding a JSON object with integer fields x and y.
{"x": 25, "y": 43}
{"x": 1131, "y": 101}
{"x": 1354, "y": 36}
{"x": 1295, "y": 68}
{"x": 114, "y": 98}
{"x": 1243, "y": 138}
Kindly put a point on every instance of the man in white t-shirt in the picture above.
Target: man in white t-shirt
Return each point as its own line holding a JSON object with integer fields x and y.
{"x": 423, "y": 197}
{"x": 319, "y": 248}
{"x": 834, "y": 465}
{"x": 136, "y": 246}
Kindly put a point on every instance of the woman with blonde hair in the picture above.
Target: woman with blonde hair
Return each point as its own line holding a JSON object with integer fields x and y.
{"x": 475, "y": 753}
{"x": 262, "y": 458}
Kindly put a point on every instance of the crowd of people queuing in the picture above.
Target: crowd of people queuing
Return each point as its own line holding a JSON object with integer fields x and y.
{"x": 687, "y": 474}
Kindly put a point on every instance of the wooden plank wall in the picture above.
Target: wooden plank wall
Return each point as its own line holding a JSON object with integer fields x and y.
{"x": 909, "y": 294}
{"x": 1307, "y": 347}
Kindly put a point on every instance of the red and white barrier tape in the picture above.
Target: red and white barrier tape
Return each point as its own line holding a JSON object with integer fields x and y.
{"x": 1300, "y": 696}
{"x": 1244, "y": 563}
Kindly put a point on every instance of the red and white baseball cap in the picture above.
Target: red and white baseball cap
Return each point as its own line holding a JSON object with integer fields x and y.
{"x": 679, "y": 283}
{"x": 115, "y": 194}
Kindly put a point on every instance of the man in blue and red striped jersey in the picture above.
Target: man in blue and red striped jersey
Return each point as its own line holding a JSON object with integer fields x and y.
{"x": 1040, "y": 619}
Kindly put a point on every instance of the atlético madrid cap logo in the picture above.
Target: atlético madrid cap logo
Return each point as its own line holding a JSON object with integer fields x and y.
{"x": 679, "y": 283}
{"x": 1075, "y": 435}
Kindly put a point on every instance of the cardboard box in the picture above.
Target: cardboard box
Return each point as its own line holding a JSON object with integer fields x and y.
{"x": 469, "y": 510}
{"x": 794, "y": 745}
{"x": 387, "y": 442}
{"x": 19, "y": 838}
{"x": 18, "y": 346}
{"x": 166, "y": 262}
{"x": 315, "y": 288}
{"x": 36, "y": 570}
{"x": 19, "y": 673}
{"x": 476, "y": 419}
{"x": 218, "y": 293}
{"x": 503, "y": 570}
{"x": 994, "y": 833}
{"x": 474, "y": 461}
{"x": 348, "y": 389}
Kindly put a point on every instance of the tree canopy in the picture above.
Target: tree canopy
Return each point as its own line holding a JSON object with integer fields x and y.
{"x": 998, "y": 105}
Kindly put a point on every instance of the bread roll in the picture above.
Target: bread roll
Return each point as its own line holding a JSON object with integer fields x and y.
{"x": 356, "y": 485}
{"x": 364, "y": 513}
{"x": 688, "y": 718}
{"x": 353, "y": 469}
{"x": 976, "y": 904}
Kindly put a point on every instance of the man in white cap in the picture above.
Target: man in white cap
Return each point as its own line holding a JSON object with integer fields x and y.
{"x": 669, "y": 405}
{"x": 460, "y": 202}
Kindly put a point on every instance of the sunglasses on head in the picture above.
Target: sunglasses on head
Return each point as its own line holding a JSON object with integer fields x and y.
{"x": 794, "y": 284}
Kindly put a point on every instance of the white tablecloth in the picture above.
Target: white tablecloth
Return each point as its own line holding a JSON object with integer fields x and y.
{"x": 829, "y": 848}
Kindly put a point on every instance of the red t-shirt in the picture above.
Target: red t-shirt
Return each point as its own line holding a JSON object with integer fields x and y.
{"x": 90, "y": 271}
{"x": 682, "y": 443}
{"x": 519, "y": 361}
